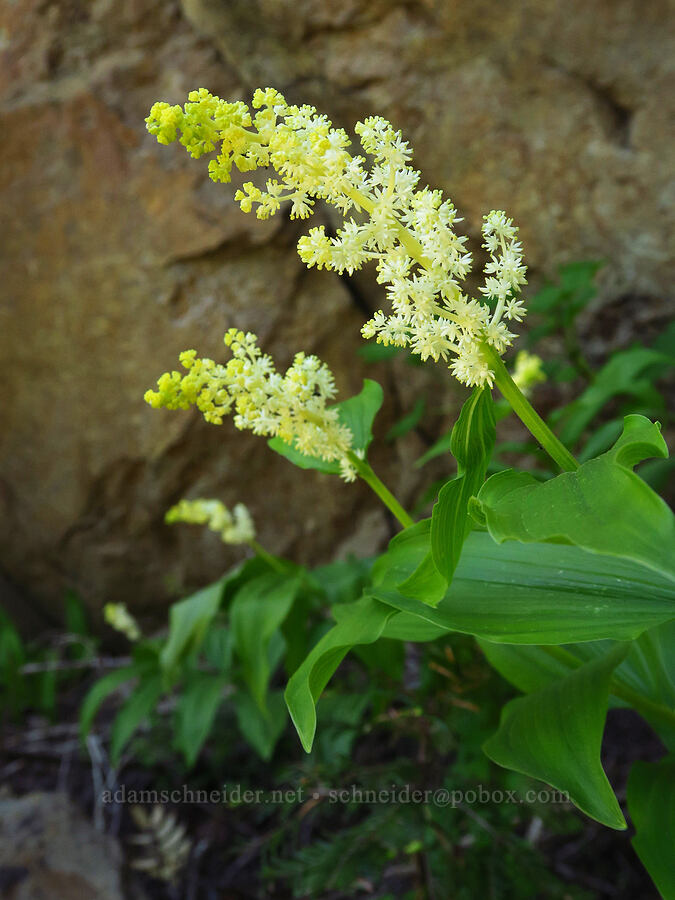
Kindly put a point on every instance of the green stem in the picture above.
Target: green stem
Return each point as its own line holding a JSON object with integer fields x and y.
{"x": 269, "y": 559}
{"x": 639, "y": 702}
{"x": 527, "y": 414}
{"x": 364, "y": 471}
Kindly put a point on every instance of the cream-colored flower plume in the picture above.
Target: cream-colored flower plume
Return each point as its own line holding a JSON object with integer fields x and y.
{"x": 291, "y": 406}
{"x": 408, "y": 232}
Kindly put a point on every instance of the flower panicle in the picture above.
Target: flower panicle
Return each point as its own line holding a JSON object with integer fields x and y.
{"x": 234, "y": 527}
{"x": 528, "y": 371}
{"x": 118, "y": 617}
{"x": 291, "y": 407}
{"x": 408, "y": 231}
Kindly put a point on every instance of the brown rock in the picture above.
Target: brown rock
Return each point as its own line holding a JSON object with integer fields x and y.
{"x": 119, "y": 253}
{"x": 48, "y": 849}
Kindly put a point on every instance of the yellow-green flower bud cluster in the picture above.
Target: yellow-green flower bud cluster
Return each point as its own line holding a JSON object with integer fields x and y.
{"x": 291, "y": 407}
{"x": 234, "y": 527}
{"x": 528, "y": 371}
{"x": 408, "y": 232}
{"x": 118, "y": 617}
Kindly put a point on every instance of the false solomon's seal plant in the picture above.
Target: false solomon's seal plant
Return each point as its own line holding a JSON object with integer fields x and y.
{"x": 568, "y": 585}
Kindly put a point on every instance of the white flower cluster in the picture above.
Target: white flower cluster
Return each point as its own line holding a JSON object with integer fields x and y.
{"x": 528, "y": 371}
{"x": 234, "y": 527}
{"x": 118, "y": 617}
{"x": 409, "y": 232}
{"x": 291, "y": 407}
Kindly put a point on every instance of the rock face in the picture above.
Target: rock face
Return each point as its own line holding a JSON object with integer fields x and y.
{"x": 118, "y": 253}
{"x": 48, "y": 849}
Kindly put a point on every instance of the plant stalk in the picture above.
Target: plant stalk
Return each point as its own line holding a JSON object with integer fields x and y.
{"x": 527, "y": 413}
{"x": 365, "y": 472}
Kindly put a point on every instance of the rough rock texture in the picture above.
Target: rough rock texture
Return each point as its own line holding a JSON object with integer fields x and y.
{"x": 48, "y": 850}
{"x": 118, "y": 253}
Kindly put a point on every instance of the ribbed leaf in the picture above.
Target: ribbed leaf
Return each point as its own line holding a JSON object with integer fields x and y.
{"x": 188, "y": 621}
{"x": 257, "y": 611}
{"x": 555, "y": 734}
{"x": 603, "y": 507}
{"x": 530, "y": 593}
{"x": 196, "y": 710}
{"x": 357, "y": 623}
{"x": 133, "y": 713}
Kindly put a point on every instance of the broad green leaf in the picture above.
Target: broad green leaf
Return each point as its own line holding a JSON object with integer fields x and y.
{"x": 529, "y": 593}
{"x": 473, "y": 439}
{"x": 342, "y": 581}
{"x": 357, "y": 623}
{"x": 357, "y": 413}
{"x": 245, "y": 571}
{"x": 302, "y": 460}
{"x": 601, "y": 440}
{"x": 188, "y": 621}
{"x": 407, "y": 627}
{"x": 603, "y": 507}
{"x": 196, "y": 711}
{"x": 261, "y": 731}
{"x": 426, "y": 583}
{"x": 404, "y": 554}
{"x": 528, "y": 668}
{"x": 217, "y": 648}
{"x": 257, "y": 611}
{"x": 651, "y": 803}
{"x": 555, "y": 734}
{"x": 648, "y": 671}
{"x": 133, "y": 713}
{"x": 100, "y": 691}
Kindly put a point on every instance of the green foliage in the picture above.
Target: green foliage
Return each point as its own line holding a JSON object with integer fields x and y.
{"x": 257, "y": 612}
{"x": 555, "y": 734}
{"x": 196, "y": 711}
{"x": 651, "y": 803}
{"x": 261, "y": 730}
{"x": 529, "y": 594}
{"x": 472, "y": 442}
{"x": 648, "y": 671}
{"x": 357, "y": 623}
{"x": 628, "y": 373}
{"x": 135, "y": 710}
{"x": 188, "y": 622}
{"x": 103, "y": 688}
{"x": 32, "y": 673}
{"x": 559, "y": 304}
{"x": 603, "y": 507}
{"x": 566, "y": 582}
